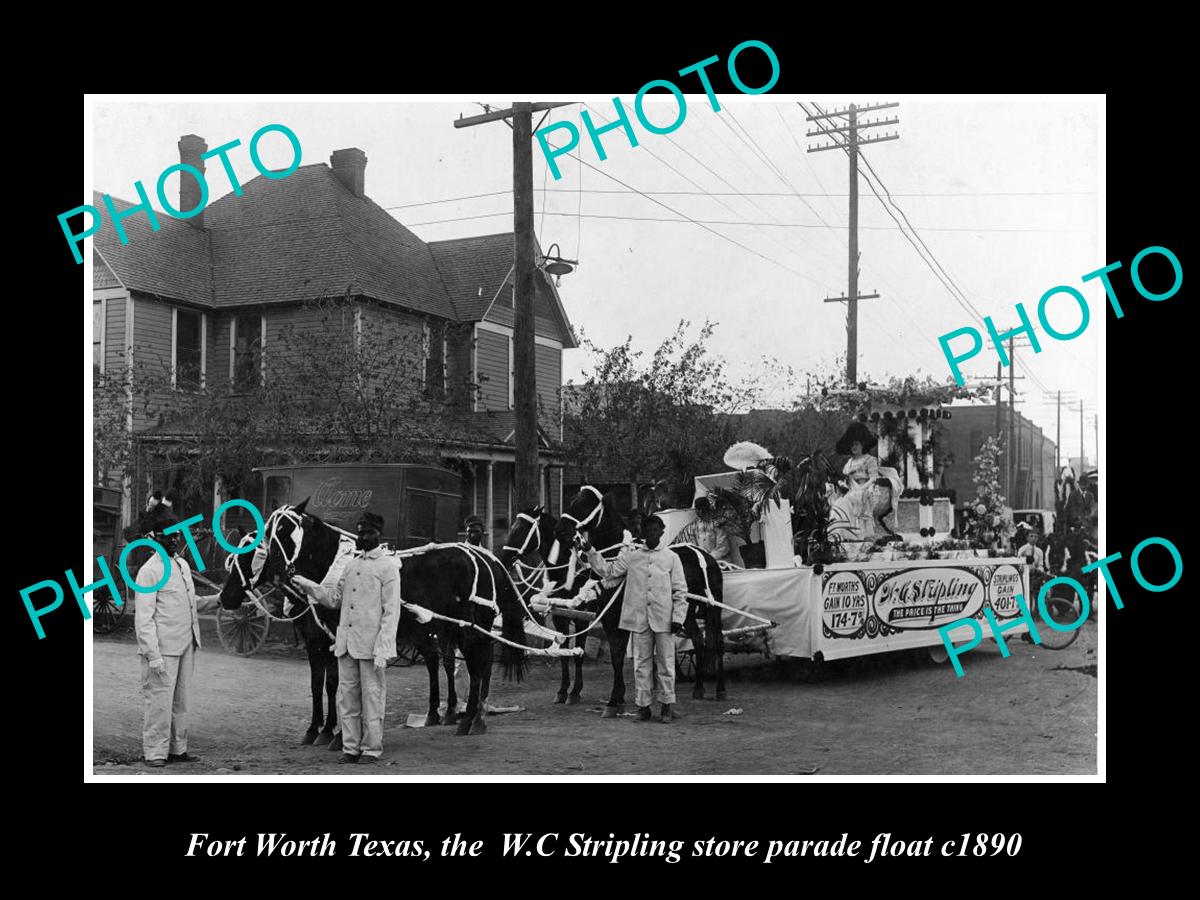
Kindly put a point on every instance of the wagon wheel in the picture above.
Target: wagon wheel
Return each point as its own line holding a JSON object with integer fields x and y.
{"x": 406, "y": 655}
{"x": 685, "y": 665}
{"x": 1062, "y": 611}
{"x": 242, "y": 630}
{"x": 105, "y": 612}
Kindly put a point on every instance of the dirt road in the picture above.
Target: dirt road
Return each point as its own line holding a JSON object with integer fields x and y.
{"x": 1033, "y": 713}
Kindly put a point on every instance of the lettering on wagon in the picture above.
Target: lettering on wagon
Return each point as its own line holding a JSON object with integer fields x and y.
{"x": 845, "y": 603}
{"x": 329, "y": 496}
{"x": 924, "y": 598}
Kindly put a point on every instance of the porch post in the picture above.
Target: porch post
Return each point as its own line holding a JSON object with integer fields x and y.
{"x": 491, "y": 504}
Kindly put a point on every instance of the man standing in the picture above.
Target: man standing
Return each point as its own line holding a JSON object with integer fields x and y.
{"x": 168, "y": 634}
{"x": 653, "y": 610}
{"x": 710, "y": 535}
{"x": 368, "y": 594}
{"x": 474, "y": 527}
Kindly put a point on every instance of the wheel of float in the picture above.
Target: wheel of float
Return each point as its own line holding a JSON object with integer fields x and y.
{"x": 1063, "y": 611}
{"x": 106, "y": 614}
{"x": 242, "y": 630}
{"x": 938, "y": 655}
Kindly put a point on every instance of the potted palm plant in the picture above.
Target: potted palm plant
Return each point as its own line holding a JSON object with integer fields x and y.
{"x": 817, "y": 538}
{"x": 736, "y": 513}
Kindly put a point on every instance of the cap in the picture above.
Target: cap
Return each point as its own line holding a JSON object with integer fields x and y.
{"x": 371, "y": 520}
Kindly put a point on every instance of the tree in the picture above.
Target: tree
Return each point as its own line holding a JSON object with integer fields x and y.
{"x": 331, "y": 391}
{"x": 665, "y": 419}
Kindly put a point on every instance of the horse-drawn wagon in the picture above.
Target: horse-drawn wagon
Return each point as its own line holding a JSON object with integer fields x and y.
{"x": 419, "y": 504}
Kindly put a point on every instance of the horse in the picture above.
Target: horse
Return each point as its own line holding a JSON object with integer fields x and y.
{"x": 315, "y": 628}
{"x": 532, "y": 536}
{"x": 596, "y": 515}
{"x": 444, "y": 580}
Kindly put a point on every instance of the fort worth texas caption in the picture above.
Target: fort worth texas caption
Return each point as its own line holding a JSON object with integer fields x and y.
{"x": 612, "y": 849}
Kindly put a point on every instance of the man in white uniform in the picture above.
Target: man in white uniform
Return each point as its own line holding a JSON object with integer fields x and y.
{"x": 652, "y": 611}
{"x": 168, "y": 634}
{"x": 368, "y": 594}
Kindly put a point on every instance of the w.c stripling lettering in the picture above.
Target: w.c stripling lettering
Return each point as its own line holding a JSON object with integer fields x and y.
{"x": 930, "y": 589}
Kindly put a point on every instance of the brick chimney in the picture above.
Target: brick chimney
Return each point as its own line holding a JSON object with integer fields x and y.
{"x": 191, "y": 148}
{"x": 350, "y": 167}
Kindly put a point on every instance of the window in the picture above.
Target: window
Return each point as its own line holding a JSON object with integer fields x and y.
{"x": 98, "y": 334}
{"x": 435, "y": 361}
{"x": 976, "y": 441}
{"x": 187, "y": 339}
{"x": 246, "y": 342}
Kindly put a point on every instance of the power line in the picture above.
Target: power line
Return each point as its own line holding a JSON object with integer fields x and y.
{"x": 966, "y": 306}
{"x": 788, "y": 181}
{"x": 690, "y": 219}
{"x": 704, "y": 193}
{"x": 449, "y": 200}
{"x": 1025, "y": 366}
{"x": 693, "y": 221}
{"x": 916, "y": 233}
{"x": 708, "y": 168}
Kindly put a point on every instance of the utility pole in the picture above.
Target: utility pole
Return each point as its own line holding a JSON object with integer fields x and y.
{"x": 1082, "y": 445}
{"x": 1096, "y": 425}
{"x": 526, "y": 489}
{"x": 1058, "y": 437}
{"x": 999, "y": 381}
{"x": 850, "y": 142}
{"x": 1012, "y": 400}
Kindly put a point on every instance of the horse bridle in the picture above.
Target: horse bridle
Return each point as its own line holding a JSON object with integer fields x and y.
{"x": 271, "y": 529}
{"x": 597, "y": 511}
{"x": 534, "y": 531}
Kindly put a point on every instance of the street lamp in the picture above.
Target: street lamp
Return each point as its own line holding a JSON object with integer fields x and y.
{"x": 556, "y": 265}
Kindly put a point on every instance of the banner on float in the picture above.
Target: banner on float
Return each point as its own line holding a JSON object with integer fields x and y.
{"x": 875, "y": 607}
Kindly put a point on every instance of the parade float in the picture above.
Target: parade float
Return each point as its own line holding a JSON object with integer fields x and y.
{"x": 854, "y": 562}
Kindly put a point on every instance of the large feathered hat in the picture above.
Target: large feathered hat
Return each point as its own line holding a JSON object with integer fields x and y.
{"x": 745, "y": 455}
{"x": 857, "y": 432}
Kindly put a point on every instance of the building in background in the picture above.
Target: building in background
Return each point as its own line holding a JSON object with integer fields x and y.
{"x": 962, "y": 437}
{"x": 212, "y": 293}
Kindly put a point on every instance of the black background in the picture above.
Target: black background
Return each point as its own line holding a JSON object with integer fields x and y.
{"x": 1148, "y": 456}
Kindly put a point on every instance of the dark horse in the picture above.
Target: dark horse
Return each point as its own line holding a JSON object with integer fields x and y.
{"x": 315, "y": 628}
{"x": 439, "y": 580}
{"x": 598, "y": 517}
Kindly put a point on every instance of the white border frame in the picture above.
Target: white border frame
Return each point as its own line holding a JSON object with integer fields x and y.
{"x": 90, "y": 777}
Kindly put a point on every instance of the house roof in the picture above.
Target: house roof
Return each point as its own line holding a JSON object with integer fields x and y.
{"x": 307, "y": 236}
{"x": 477, "y": 270}
{"x": 170, "y": 262}
{"x": 474, "y": 270}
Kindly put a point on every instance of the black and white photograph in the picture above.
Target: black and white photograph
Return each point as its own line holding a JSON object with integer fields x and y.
{"x": 734, "y": 434}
